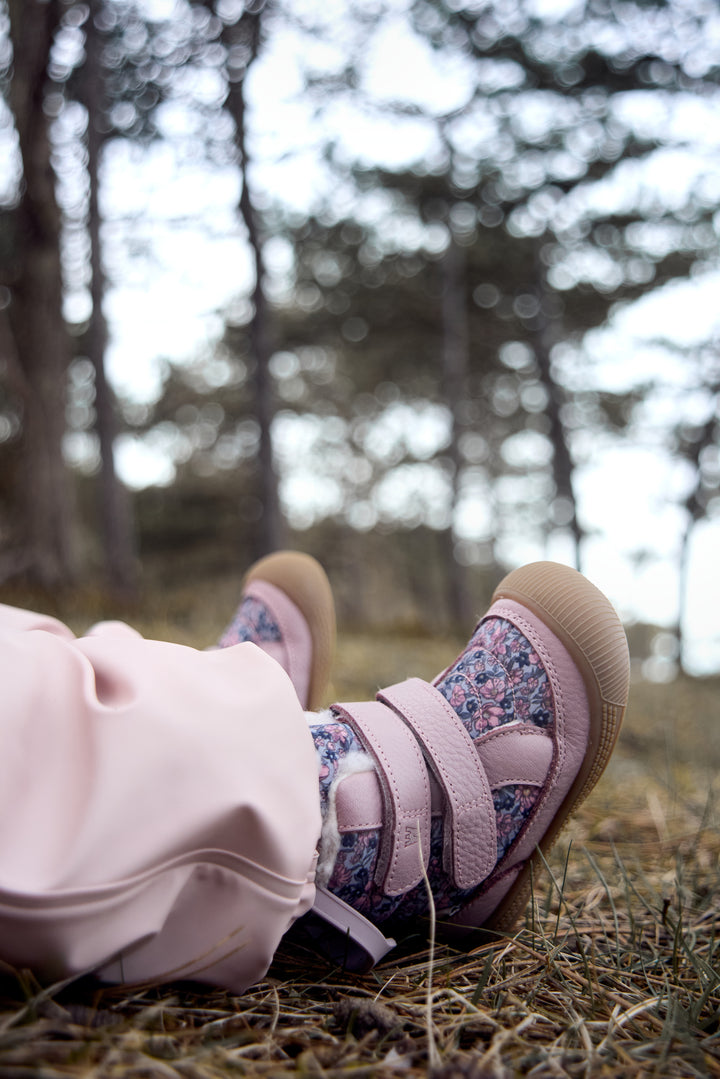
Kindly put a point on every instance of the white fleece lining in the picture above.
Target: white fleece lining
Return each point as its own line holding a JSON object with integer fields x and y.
{"x": 355, "y": 761}
{"x": 317, "y": 719}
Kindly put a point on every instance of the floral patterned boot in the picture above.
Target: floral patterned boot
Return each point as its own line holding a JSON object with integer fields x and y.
{"x": 287, "y": 609}
{"x": 464, "y": 779}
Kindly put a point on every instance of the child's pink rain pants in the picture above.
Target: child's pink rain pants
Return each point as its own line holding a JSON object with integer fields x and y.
{"x": 159, "y": 807}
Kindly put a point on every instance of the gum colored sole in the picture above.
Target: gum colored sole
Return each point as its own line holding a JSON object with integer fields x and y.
{"x": 305, "y": 582}
{"x": 587, "y": 624}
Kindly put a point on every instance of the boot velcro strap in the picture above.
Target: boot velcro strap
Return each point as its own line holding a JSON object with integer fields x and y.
{"x": 520, "y": 754}
{"x": 405, "y": 838}
{"x": 469, "y": 823}
{"x": 409, "y": 729}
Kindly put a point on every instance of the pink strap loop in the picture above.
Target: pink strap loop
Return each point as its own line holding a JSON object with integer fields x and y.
{"x": 519, "y": 753}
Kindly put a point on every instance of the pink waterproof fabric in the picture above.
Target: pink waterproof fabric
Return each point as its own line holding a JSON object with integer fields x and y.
{"x": 159, "y": 809}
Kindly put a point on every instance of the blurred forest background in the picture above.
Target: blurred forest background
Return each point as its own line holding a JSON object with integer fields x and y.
{"x": 409, "y": 369}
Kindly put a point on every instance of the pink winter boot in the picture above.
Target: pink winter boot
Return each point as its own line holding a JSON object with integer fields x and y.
{"x": 469, "y": 778}
{"x": 287, "y": 610}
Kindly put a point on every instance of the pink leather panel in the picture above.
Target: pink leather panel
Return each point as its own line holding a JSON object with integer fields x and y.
{"x": 479, "y": 909}
{"x": 294, "y": 651}
{"x": 358, "y": 803}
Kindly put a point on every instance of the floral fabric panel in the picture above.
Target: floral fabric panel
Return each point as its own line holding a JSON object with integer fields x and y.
{"x": 498, "y": 679}
{"x": 252, "y": 622}
{"x": 333, "y": 741}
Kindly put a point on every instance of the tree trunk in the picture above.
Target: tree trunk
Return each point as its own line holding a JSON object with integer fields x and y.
{"x": 562, "y": 462}
{"x": 455, "y": 360}
{"x": 116, "y": 524}
{"x": 45, "y": 497}
{"x": 272, "y": 528}
{"x": 696, "y": 509}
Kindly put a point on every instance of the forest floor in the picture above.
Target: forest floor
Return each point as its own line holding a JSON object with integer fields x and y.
{"x": 615, "y": 971}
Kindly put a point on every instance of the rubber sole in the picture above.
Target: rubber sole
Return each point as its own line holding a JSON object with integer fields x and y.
{"x": 304, "y": 581}
{"x": 587, "y": 624}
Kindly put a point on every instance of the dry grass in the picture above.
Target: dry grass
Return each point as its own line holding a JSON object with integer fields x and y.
{"x": 614, "y": 973}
